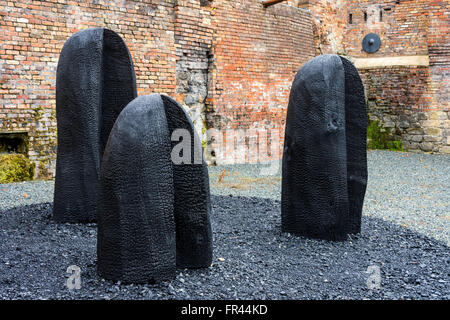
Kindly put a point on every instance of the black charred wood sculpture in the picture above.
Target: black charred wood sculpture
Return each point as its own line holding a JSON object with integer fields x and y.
{"x": 95, "y": 81}
{"x": 153, "y": 215}
{"x": 324, "y": 174}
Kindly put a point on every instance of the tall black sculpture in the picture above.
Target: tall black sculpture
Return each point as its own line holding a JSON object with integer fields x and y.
{"x": 95, "y": 81}
{"x": 153, "y": 215}
{"x": 324, "y": 159}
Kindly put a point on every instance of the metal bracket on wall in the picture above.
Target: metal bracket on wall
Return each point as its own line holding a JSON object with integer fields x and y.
{"x": 268, "y": 3}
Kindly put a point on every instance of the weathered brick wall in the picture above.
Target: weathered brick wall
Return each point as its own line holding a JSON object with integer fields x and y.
{"x": 439, "y": 54}
{"x": 257, "y": 52}
{"x": 235, "y": 64}
{"x": 32, "y": 34}
{"x": 410, "y": 100}
{"x": 230, "y": 63}
{"x": 398, "y": 97}
{"x": 410, "y": 96}
{"x": 402, "y": 27}
{"x": 194, "y": 33}
{"x": 329, "y": 23}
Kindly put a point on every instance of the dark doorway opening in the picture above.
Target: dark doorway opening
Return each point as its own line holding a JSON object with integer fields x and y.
{"x": 14, "y": 142}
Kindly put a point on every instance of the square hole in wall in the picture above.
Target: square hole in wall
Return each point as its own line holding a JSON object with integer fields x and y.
{"x": 205, "y": 3}
{"x": 14, "y": 142}
{"x": 303, "y": 3}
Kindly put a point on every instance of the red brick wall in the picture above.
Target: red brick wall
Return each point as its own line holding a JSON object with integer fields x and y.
{"x": 257, "y": 53}
{"x": 329, "y": 23}
{"x": 439, "y": 53}
{"x": 411, "y": 100}
{"x": 403, "y": 28}
{"x": 226, "y": 61}
{"x": 399, "y": 97}
{"x": 32, "y": 34}
{"x": 193, "y": 36}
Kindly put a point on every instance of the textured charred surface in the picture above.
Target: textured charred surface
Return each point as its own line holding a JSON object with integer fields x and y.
{"x": 315, "y": 188}
{"x": 78, "y": 93}
{"x": 136, "y": 229}
{"x": 356, "y": 139}
{"x": 118, "y": 81}
{"x": 95, "y": 81}
{"x": 192, "y": 206}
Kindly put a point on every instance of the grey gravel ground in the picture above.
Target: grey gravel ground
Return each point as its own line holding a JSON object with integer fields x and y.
{"x": 408, "y": 189}
{"x": 405, "y": 233}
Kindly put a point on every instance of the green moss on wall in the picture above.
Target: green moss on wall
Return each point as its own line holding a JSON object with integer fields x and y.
{"x": 381, "y": 138}
{"x": 44, "y": 142}
{"x": 15, "y": 168}
{"x": 204, "y": 142}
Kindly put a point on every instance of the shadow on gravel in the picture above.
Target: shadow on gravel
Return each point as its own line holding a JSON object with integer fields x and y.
{"x": 252, "y": 260}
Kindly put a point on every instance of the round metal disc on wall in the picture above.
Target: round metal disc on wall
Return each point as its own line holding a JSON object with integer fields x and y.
{"x": 371, "y": 43}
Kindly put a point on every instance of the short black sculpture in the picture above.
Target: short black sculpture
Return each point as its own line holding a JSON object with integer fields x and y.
{"x": 153, "y": 215}
{"x": 324, "y": 159}
{"x": 95, "y": 81}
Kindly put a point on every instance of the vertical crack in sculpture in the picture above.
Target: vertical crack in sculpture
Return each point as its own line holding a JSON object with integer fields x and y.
{"x": 153, "y": 215}
{"x": 95, "y": 81}
{"x": 324, "y": 158}
{"x": 192, "y": 199}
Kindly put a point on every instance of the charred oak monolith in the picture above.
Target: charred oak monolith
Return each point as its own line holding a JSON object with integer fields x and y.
{"x": 136, "y": 226}
{"x": 324, "y": 159}
{"x": 95, "y": 81}
{"x": 153, "y": 214}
